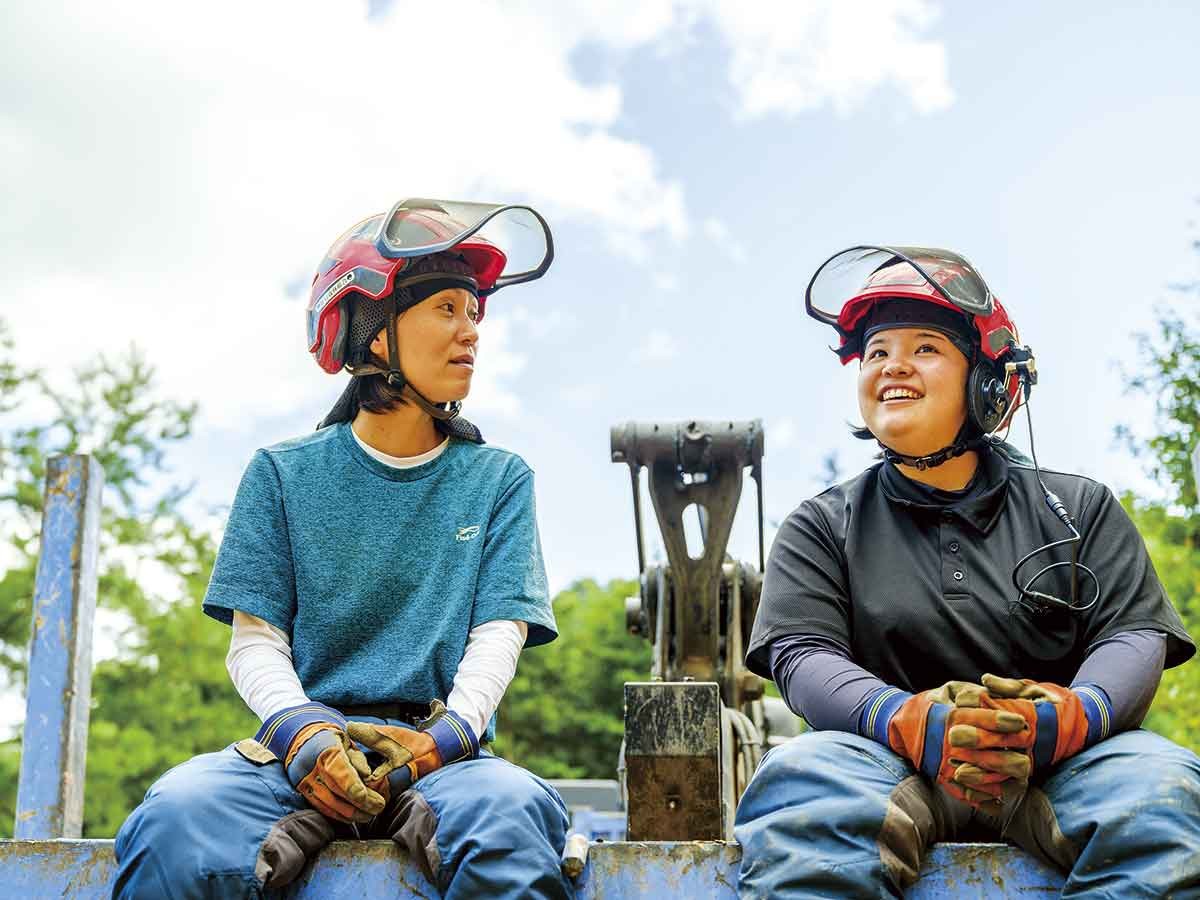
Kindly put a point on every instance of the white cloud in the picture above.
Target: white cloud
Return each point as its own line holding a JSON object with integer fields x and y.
{"x": 665, "y": 282}
{"x": 167, "y": 169}
{"x": 541, "y": 323}
{"x": 658, "y": 346}
{"x": 783, "y": 433}
{"x": 790, "y": 57}
{"x": 718, "y": 232}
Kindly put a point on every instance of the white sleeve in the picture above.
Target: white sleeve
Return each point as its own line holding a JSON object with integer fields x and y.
{"x": 260, "y": 665}
{"x": 487, "y": 666}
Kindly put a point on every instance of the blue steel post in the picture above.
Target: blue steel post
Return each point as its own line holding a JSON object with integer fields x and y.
{"x": 1196, "y": 463}
{"x": 54, "y": 745}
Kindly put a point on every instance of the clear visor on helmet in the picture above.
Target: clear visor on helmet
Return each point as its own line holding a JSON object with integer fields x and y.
{"x": 419, "y": 227}
{"x": 851, "y": 272}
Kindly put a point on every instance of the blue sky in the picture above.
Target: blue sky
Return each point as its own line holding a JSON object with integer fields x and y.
{"x": 697, "y": 162}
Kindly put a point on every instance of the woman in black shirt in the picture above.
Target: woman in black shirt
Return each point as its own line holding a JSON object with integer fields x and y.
{"x": 948, "y": 674}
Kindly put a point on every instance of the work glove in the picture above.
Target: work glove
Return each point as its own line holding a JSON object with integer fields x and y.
{"x": 322, "y": 762}
{"x": 1062, "y": 720}
{"x": 410, "y": 754}
{"x": 945, "y": 730}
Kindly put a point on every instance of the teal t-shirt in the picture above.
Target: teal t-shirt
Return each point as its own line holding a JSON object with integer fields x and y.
{"x": 377, "y": 573}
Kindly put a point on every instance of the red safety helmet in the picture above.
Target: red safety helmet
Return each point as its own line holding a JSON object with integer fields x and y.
{"x": 502, "y": 244}
{"x": 854, "y": 280}
{"x": 847, "y": 287}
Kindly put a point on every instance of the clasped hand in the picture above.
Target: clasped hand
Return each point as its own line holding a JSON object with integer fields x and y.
{"x": 444, "y": 738}
{"x": 1052, "y": 727}
{"x": 407, "y": 756}
{"x": 953, "y": 734}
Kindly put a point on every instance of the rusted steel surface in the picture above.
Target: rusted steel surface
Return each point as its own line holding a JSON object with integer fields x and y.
{"x": 673, "y": 760}
{"x": 690, "y": 870}
{"x": 705, "y": 869}
{"x": 54, "y": 744}
{"x": 84, "y": 870}
{"x": 81, "y": 870}
{"x": 983, "y": 871}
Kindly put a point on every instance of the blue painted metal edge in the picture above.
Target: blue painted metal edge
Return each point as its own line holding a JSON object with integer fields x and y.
{"x": 84, "y": 870}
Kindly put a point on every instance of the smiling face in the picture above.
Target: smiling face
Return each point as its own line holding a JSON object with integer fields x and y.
{"x": 437, "y": 340}
{"x": 912, "y": 389}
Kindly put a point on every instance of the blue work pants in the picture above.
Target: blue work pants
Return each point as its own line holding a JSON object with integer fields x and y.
{"x": 831, "y": 814}
{"x": 222, "y": 826}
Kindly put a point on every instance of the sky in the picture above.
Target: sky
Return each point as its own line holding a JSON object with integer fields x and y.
{"x": 172, "y": 174}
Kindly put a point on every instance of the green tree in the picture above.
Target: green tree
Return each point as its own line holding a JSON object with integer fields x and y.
{"x": 562, "y": 716}
{"x": 1169, "y": 374}
{"x": 165, "y": 697}
{"x": 1170, "y": 539}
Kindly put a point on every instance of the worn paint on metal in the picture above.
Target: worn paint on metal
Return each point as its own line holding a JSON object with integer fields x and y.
{"x": 985, "y": 871}
{"x": 54, "y": 743}
{"x": 673, "y": 760}
{"x": 691, "y": 870}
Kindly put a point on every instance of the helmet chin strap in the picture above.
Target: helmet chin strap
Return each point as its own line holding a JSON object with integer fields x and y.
{"x": 396, "y": 379}
{"x": 931, "y": 460}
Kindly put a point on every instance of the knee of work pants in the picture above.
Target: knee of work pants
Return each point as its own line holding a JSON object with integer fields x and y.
{"x": 833, "y": 814}
{"x": 1130, "y": 805}
{"x": 486, "y": 827}
{"x": 217, "y": 826}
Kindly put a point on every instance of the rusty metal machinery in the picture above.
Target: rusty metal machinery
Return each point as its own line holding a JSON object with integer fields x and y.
{"x": 695, "y": 732}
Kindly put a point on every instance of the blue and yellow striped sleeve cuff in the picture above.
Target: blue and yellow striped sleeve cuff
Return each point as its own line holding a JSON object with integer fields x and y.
{"x": 1098, "y": 709}
{"x": 877, "y": 714}
{"x": 455, "y": 739}
{"x": 280, "y": 729}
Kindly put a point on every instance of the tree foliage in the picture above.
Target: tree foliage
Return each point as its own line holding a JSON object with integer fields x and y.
{"x": 562, "y": 715}
{"x": 1169, "y": 374}
{"x": 1169, "y": 538}
{"x": 165, "y": 696}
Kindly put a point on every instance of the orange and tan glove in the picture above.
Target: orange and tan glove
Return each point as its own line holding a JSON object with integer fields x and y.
{"x": 410, "y": 754}
{"x": 944, "y": 730}
{"x": 1063, "y": 720}
{"x": 322, "y": 762}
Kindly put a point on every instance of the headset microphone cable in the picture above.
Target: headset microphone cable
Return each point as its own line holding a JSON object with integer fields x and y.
{"x": 1039, "y": 602}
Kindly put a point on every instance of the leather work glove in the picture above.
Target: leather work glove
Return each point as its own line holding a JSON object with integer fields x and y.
{"x": 1063, "y": 721}
{"x": 322, "y": 762}
{"x": 410, "y": 754}
{"x": 949, "y": 729}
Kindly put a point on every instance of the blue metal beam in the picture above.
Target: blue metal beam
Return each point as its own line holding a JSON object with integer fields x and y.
{"x": 54, "y": 743}
{"x": 83, "y": 870}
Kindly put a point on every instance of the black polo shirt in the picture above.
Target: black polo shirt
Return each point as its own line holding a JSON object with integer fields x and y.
{"x": 917, "y": 583}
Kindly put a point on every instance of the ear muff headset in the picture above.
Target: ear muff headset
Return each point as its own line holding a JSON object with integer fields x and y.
{"x": 988, "y": 398}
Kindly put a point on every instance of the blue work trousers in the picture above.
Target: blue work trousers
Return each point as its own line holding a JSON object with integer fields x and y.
{"x": 831, "y": 814}
{"x": 223, "y": 826}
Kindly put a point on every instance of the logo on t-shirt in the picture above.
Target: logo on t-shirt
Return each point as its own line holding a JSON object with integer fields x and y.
{"x": 467, "y": 534}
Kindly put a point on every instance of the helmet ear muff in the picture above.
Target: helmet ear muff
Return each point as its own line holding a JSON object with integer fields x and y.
{"x": 987, "y": 398}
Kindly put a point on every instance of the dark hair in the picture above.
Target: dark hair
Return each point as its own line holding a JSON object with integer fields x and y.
{"x": 375, "y": 395}
{"x": 862, "y": 432}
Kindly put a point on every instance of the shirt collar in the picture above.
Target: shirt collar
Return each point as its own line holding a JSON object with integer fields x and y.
{"x": 979, "y": 505}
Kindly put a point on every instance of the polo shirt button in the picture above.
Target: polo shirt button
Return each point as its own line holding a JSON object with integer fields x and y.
{"x": 958, "y": 576}
{"x": 954, "y": 546}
